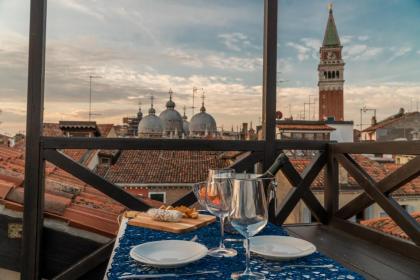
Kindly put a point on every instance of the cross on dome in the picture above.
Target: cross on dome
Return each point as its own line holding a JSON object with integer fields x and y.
{"x": 203, "y": 109}
{"x": 170, "y": 104}
{"x": 152, "y": 111}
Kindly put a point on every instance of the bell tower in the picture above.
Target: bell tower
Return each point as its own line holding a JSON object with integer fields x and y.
{"x": 331, "y": 73}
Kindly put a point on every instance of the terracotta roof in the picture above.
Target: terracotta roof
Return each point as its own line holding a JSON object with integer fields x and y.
{"x": 387, "y": 225}
{"x": 105, "y": 129}
{"x": 390, "y": 120}
{"x": 66, "y": 197}
{"x": 309, "y": 127}
{"x": 137, "y": 166}
{"x": 53, "y": 129}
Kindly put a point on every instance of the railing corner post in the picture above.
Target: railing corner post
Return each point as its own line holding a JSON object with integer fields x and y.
{"x": 332, "y": 188}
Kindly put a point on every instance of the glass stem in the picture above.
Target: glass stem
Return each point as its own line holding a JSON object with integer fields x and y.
{"x": 248, "y": 256}
{"x": 222, "y": 232}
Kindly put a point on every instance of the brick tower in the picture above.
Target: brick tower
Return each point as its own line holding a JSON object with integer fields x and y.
{"x": 331, "y": 74}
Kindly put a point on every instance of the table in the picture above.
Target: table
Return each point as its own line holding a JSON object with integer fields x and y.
{"x": 130, "y": 236}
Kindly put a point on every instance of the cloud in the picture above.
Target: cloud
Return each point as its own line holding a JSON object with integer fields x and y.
{"x": 302, "y": 51}
{"x": 235, "y": 41}
{"x": 185, "y": 58}
{"x": 361, "y": 52}
{"x": 399, "y": 52}
{"x": 80, "y": 7}
{"x": 363, "y": 38}
{"x": 231, "y": 63}
{"x": 215, "y": 60}
{"x": 309, "y": 47}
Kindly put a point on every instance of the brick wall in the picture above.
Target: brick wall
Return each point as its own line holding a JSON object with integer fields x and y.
{"x": 331, "y": 103}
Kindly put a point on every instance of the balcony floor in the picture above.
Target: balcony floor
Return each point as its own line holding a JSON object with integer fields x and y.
{"x": 370, "y": 260}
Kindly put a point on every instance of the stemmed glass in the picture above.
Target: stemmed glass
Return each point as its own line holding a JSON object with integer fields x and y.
{"x": 218, "y": 202}
{"x": 248, "y": 215}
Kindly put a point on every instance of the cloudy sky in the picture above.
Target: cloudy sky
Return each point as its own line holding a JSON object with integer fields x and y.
{"x": 140, "y": 47}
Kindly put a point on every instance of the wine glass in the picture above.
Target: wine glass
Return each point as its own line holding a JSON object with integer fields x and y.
{"x": 248, "y": 215}
{"x": 199, "y": 190}
{"x": 218, "y": 202}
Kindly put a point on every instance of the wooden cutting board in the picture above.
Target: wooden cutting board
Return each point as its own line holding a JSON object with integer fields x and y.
{"x": 184, "y": 225}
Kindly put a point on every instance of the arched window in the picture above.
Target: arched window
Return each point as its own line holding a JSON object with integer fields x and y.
{"x": 329, "y": 74}
{"x": 325, "y": 74}
{"x": 333, "y": 74}
{"x": 338, "y": 74}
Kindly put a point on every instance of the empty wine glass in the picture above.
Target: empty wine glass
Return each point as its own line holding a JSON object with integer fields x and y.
{"x": 248, "y": 214}
{"x": 218, "y": 202}
{"x": 199, "y": 190}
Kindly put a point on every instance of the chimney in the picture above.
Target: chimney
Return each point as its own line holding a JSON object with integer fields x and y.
{"x": 373, "y": 122}
{"x": 244, "y": 128}
{"x": 401, "y": 112}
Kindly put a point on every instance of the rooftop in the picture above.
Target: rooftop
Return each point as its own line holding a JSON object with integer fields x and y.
{"x": 387, "y": 225}
{"x": 66, "y": 198}
{"x": 160, "y": 166}
{"x": 390, "y": 120}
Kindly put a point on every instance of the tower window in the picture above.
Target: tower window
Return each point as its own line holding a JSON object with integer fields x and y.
{"x": 338, "y": 74}
{"x": 329, "y": 74}
{"x": 333, "y": 74}
{"x": 325, "y": 74}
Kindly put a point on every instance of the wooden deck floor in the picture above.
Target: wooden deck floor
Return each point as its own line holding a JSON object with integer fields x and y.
{"x": 366, "y": 258}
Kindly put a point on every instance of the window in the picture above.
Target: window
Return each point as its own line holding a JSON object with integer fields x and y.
{"x": 105, "y": 160}
{"x": 159, "y": 196}
{"x": 337, "y": 74}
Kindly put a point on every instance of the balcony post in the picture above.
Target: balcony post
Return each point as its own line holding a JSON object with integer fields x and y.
{"x": 331, "y": 192}
{"x": 34, "y": 162}
{"x": 269, "y": 80}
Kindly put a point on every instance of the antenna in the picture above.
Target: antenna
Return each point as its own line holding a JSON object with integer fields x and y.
{"x": 152, "y": 98}
{"x": 193, "y": 99}
{"x": 365, "y": 110}
{"x": 309, "y": 105}
{"x": 279, "y": 81}
{"x": 90, "y": 94}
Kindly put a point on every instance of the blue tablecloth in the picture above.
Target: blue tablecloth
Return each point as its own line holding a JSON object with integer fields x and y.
{"x": 122, "y": 263}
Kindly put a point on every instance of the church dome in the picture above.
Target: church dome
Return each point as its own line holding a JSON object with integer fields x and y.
{"x": 202, "y": 123}
{"x": 150, "y": 125}
{"x": 171, "y": 119}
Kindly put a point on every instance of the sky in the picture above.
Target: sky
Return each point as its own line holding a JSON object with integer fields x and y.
{"x": 144, "y": 47}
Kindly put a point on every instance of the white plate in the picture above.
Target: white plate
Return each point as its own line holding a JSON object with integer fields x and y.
{"x": 168, "y": 253}
{"x": 274, "y": 247}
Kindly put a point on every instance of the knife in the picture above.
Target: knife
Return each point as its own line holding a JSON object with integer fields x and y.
{"x": 151, "y": 276}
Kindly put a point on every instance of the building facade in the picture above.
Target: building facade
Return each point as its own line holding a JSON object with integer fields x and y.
{"x": 401, "y": 126}
{"x": 331, "y": 74}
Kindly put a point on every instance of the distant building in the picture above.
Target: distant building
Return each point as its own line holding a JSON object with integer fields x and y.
{"x": 303, "y": 130}
{"x": 6, "y": 140}
{"x": 131, "y": 124}
{"x": 86, "y": 157}
{"x": 325, "y": 130}
{"x": 151, "y": 125}
{"x": 331, "y": 74}
{"x": 160, "y": 175}
{"x": 203, "y": 124}
{"x": 170, "y": 123}
{"x": 401, "y": 126}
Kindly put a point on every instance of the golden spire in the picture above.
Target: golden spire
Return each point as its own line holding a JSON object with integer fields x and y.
{"x": 330, "y": 7}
